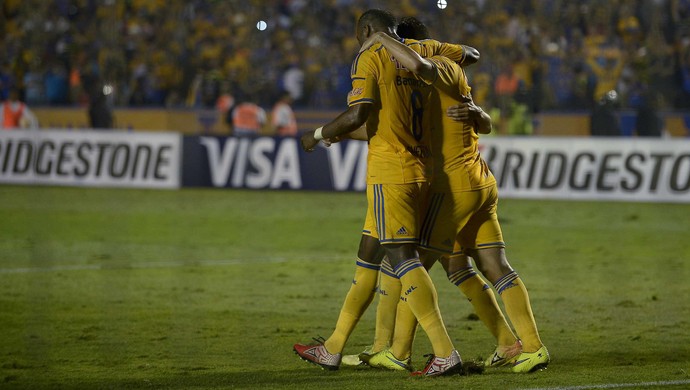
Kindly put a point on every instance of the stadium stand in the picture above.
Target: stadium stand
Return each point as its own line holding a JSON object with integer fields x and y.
{"x": 155, "y": 53}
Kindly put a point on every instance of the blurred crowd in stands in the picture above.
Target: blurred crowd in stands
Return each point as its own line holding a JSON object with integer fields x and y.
{"x": 536, "y": 54}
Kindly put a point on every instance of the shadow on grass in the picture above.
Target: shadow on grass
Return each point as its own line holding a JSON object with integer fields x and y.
{"x": 306, "y": 378}
{"x": 580, "y": 369}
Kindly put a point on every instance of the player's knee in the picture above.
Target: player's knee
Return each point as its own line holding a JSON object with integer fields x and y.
{"x": 457, "y": 262}
{"x": 397, "y": 253}
{"x": 491, "y": 262}
{"x": 370, "y": 250}
{"x": 429, "y": 258}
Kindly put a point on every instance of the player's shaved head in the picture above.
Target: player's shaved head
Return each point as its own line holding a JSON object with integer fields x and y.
{"x": 413, "y": 28}
{"x": 380, "y": 19}
{"x": 375, "y": 20}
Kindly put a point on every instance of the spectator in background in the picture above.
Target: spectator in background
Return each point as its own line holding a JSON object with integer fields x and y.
{"x": 505, "y": 87}
{"x": 34, "y": 86}
{"x": 138, "y": 96}
{"x": 6, "y": 81}
{"x": 661, "y": 63}
{"x": 99, "y": 109}
{"x": 78, "y": 79}
{"x": 684, "y": 75}
{"x": 247, "y": 119}
{"x": 225, "y": 105}
{"x": 219, "y": 41}
{"x": 100, "y": 114}
{"x": 14, "y": 114}
{"x": 225, "y": 101}
{"x": 607, "y": 66}
{"x": 628, "y": 26}
{"x": 56, "y": 85}
{"x": 293, "y": 81}
{"x": 210, "y": 88}
{"x": 582, "y": 87}
{"x": 520, "y": 120}
{"x": 282, "y": 117}
{"x": 603, "y": 121}
{"x": 649, "y": 123}
{"x": 481, "y": 87}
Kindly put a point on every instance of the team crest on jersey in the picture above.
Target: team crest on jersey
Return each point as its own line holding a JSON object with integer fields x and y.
{"x": 356, "y": 91}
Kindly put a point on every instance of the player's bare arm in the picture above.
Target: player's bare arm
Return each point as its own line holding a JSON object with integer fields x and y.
{"x": 345, "y": 123}
{"x": 357, "y": 135}
{"x": 467, "y": 111}
{"x": 407, "y": 57}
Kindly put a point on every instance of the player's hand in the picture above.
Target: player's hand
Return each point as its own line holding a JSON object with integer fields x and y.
{"x": 308, "y": 141}
{"x": 465, "y": 111}
{"x": 371, "y": 41}
{"x": 330, "y": 141}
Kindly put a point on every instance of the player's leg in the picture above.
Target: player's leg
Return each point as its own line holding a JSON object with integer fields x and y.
{"x": 397, "y": 211}
{"x": 386, "y": 311}
{"x": 389, "y": 284}
{"x": 398, "y": 356}
{"x": 406, "y": 323}
{"x": 389, "y": 296}
{"x": 488, "y": 251}
{"x": 419, "y": 292}
{"x": 447, "y": 215}
{"x": 516, "y": 300}
{"x": 462, "y": 274}
{"x": 388, "y": 288}
{"x": 327, "y": 353}
{"x": 360, "y": 295}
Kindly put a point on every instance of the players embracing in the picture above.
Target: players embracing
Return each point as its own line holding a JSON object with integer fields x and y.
{"x": 395, "y": 93}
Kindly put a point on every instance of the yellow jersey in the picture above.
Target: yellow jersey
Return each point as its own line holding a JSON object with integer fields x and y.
{"x": 457, "y": 162}
{"x": 400, "y": 126}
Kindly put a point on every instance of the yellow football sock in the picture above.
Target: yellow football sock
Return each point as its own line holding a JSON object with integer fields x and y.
{"x": 405, "y": 329}
{"x": 482, "y": 298}
{"x": 516, "y": 301}
{"x": 356, "y": 302}
{"x": 389, "y": 296}
{"x": 419, "y": 292}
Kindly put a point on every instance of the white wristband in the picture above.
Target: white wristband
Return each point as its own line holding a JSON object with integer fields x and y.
{"x": 317, "y": 134}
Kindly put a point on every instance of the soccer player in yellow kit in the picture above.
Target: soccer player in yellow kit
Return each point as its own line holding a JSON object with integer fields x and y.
{"x": 395, "y": 107}
{"x": 462, "y": 216}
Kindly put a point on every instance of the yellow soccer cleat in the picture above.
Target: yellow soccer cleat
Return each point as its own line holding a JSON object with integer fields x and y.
{"x": 385, "y": 359}
{"x": 531, "y": 361}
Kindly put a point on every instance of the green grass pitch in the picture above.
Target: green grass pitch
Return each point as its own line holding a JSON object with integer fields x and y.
{"x": 209, "y": 289}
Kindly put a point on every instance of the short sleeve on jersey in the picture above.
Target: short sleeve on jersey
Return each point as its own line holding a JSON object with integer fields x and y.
{"x": 364, "y": 83}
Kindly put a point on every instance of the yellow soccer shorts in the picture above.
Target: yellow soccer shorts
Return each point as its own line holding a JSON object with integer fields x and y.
{"x": 455, "y": 221}
{"x": 394, "y": 212}
{"x": 370, "y": 224}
